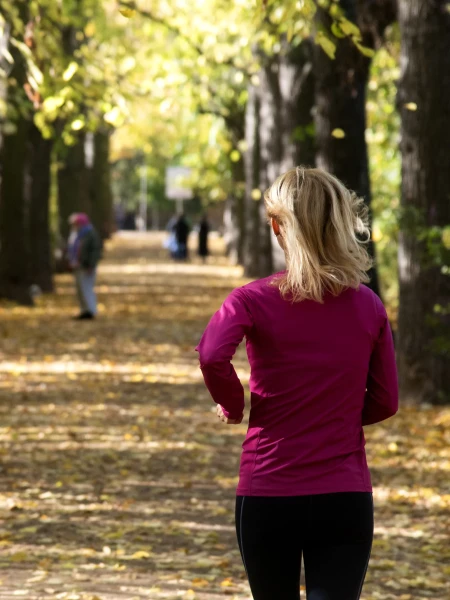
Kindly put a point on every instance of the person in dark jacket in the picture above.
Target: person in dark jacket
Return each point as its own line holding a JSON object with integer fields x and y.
{"x": 182, "y": 230}
{"x": 203, "y": 233}
{"x": 85, "y": 250}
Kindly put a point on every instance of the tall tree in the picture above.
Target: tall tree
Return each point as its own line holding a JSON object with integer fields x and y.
{"x": 73, "y": 182}
{"x": 14, "y": 244}
{"x": 285, "y": 93}
{"x": 253, "y": 201}
{"x": 424, "y": 92}
{"x": 39, "y": 159}
{"x": 340, "y": 92}
{"x": 100, "y": 185}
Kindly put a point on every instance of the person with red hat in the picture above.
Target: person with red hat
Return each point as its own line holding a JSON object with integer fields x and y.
{"x": 84, "y": 252}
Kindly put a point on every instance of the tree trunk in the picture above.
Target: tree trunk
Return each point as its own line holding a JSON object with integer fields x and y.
{"x": 340, "y": 103}
{"x": 101, "y": 193}
{"x": 14, "y": 247}
{"x": 296, "y": 87}
{"x": 234, "y": 215}
{"x": 423, "y": 329}
{"x": 252, "y": 247}
{"x": 40, "y": 163}
{"x": 297, "y": 103}
{"x": 271, "y": 150}
{"x": 73, "y": 191}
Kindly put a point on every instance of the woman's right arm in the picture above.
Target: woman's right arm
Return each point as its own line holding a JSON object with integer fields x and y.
{"x": 223, "y": 335}
{"x": 381, "y": 399}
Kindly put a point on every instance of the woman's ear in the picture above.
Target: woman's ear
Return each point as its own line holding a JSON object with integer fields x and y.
{"x": 275, "y": 227}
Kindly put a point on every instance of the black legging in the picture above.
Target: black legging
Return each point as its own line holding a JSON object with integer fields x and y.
{"x": 333, "y": 532}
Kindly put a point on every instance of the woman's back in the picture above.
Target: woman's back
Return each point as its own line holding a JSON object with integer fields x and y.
{"x": 309, "y": 370}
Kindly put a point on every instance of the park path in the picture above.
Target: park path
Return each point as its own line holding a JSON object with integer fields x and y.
{"x": 117, "y": 482}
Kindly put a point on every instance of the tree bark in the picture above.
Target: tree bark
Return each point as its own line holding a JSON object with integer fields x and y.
{"x": 235, "y": 223}
{"x": 424, "y": 332}
{"x": 73, "y": 186}
{"x": 252, "y": 246}
{"x": 14, "y": 247}
{"x": 234, "y": 214}
{"x": 41, "y": 251}
{"x": 296, "y": 87}
{"x": 340, "y": 98}
{"x": 271, "y": 151}
{"x": 297, "y": 103}
{"x": 101, "y": 193}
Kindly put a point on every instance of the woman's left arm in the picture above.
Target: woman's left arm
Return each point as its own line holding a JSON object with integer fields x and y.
{"x": 223, "y": 335}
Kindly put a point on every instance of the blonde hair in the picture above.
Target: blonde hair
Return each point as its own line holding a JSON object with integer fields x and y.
{"x": 324, "y": 231}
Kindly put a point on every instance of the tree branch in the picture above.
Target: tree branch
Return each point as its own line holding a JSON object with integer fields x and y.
{"x": 196, "y": 47}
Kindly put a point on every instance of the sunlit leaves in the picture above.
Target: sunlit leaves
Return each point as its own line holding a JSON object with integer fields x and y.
{"x": 127, "y": 12}
{"x": 114, "y": 117}
{"x": 412, "y": 106}
{"x": 78, "y": 124}
{"x": 338, "y": 133}
{"x": 349, "y": 28}
{"x": 70, "y": 71}
{"x": 235, "y": 155}
{"x": 369, "y": 52}
{"x": 336, "y": 30}
{"x": 327, "y": 45}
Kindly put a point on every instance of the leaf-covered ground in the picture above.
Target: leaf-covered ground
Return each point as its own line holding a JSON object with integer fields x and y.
{"x": 117, "y": 481}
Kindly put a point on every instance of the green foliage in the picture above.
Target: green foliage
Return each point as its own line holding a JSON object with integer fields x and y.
{"x": 172, "y": 81}
{"x": 383, "y": 138}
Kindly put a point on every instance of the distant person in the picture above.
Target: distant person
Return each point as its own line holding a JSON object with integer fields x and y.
{"x": 322, "y": 366}
{"x": 181, "y": 230}
{"x": 203, "y": 233}
{"x": 84, "y": 249}
{"x": 171, "y": 242}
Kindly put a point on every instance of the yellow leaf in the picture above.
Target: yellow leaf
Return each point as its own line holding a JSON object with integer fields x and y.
{"x": 446, "y": 237}
{"x": 377, "y": 234}
{"x": 411, "y": 106}
{"x": 349, "y": 28}
{"x": 337, "y": 31}
{"x": 114, "y": 116}
{"x": 90, "y": 29}
{"x": 328, "y": 46}
{"x": 235, "y": 155}
{"x": 19, "y": 557}
{"x": 199, "y": 582}
{"x": 365, "y": 50}
{"x": 76, "y": 126}
{"x": 226, "y": 582}
{"x": 70, "y": 71}
{"x": 28, "y": 530}
{"x": 127, "y": 12}
{"x": 141, "y": 554}
{"x": 338, "y": 133}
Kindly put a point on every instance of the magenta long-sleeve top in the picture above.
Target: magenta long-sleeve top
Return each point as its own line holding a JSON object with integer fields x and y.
{"x": 319, "y": 372}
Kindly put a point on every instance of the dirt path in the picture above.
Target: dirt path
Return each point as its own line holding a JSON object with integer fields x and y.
{"x": 118, "y": 483}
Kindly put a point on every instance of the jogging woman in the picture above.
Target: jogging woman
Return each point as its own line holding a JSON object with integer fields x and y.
{"x": 322, "y": 366}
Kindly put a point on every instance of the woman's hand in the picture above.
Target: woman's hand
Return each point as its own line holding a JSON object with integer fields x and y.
{"x": 220, "y": 414}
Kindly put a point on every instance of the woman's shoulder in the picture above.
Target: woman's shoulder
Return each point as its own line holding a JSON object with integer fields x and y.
{"x": 258, "y": 288}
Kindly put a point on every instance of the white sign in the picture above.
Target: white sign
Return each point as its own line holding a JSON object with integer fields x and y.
{"x": 176, "y": 186}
